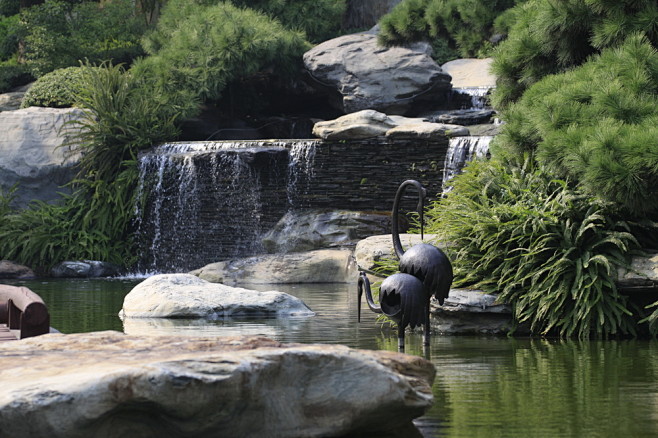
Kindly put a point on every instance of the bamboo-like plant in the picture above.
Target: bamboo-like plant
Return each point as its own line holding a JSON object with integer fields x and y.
{"x": 548, "y": 250}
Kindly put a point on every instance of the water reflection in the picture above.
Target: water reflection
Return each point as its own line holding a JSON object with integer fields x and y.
{"x": 484, "y": 386}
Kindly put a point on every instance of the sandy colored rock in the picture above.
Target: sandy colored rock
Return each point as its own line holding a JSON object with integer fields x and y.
{"x": 107, "y": 384}
{"x": 470, "y": 73}
{"x": 188, "y": 296}
{"x": 375, "y": 248}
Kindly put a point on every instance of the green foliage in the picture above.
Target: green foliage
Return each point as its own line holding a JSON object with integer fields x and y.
{"x": 122, "y": 116}
{"x": 58, "y": 34}
{"x": 463, "y": 26}
{"x": 596, "y": 125}
{"x": 8, "y": 37}
{"x": 548, "y": 250}
{"x": 9, "y": 7}
{"x": 56, "y": 89}
{"x": 320, "y": 20}
{"x": 13, "y": 75}
{"x": 203, "y": 49}
{"x": 554, "y": 36}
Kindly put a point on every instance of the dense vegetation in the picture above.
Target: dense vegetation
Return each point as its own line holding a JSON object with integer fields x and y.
{"x": 553, "y": 36}
{"x": 455, "y": 28}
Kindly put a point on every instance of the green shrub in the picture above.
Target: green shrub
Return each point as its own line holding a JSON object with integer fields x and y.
{"x": 596, "y": 125}
{"x": 205, "y": 48}
{"x": 60, "y": 34}
{"x": 9, "y": 7}
{"x": 464, "y": 25}
{"x": 549, "y": 251}
{"x": 554, "y": 36}
{"x": 8, "y": 37}
{"x": 56, "y": 89}
{"x": 13, "y": 75}
{"x": 320, "y": 20}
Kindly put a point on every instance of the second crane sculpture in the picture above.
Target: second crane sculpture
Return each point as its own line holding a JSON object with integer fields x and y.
{"x": 425, "y": 271}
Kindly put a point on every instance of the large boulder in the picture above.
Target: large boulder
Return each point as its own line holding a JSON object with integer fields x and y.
{"x": 470, "y": 73}
{"x": 361, "y": 74}
{"x": 32, "y": 153}
{"x": 370, "y": 123}
{"x": 319, "y": 266}
{"x": 188, "y": 296}
{"x": 314, "y": 229}
{"x": 107, "y": 384}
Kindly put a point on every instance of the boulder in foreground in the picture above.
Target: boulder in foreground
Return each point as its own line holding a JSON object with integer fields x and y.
{"x": 187, "y": 296}
{"x": 107, "y": 384}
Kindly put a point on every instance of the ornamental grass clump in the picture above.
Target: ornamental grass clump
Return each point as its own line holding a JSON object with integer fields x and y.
{"x": 549, "y": 251}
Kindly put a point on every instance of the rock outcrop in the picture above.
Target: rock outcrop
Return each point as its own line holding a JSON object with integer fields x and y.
{"x": 375, "y": 248}
{"x": 107, "y": 384}
{"x": 370, "y": 124}
{"x": 314, "y": 229}
{"x": 360, "y": 74}
{"x": 319, "y": 266}
{"x": 32, "y": 156}
{"x": 188, "y": 296}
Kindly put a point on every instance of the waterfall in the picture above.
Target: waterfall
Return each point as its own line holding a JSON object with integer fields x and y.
{"x": 460, "y": 151}
{"x": 478, "y": 95}
{"x": 237, "y": 190}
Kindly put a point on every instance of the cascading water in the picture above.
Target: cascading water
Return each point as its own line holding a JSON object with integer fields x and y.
{"x": 478, "y": 95}
{"x": 237, "y": 190}
{"x": 460, "y": 151}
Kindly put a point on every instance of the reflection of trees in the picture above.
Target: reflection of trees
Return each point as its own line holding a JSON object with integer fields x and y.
{"x": 545, "y": 388}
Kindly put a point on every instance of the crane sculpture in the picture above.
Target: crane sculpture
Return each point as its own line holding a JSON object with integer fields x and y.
{"x": 425, "y": 271}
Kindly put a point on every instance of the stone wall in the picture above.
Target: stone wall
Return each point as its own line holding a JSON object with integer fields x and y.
{"x": 207, "y": 206}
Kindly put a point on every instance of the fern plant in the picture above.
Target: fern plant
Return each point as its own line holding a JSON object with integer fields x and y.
{"x": 548, "y": 250}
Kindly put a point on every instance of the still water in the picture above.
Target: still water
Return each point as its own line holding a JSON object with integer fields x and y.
{"x": 484, "y": 387}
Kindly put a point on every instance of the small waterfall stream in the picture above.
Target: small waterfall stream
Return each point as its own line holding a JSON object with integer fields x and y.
{"x": 234, "y": 189}
{"x": 460, "y": 151}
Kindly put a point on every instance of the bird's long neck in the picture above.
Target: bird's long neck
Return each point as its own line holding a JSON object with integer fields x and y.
{"x": 364, "y": 283}
{"x": 397, "y": 244}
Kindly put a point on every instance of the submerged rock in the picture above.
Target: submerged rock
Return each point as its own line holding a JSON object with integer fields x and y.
{"x": 188, "y": 296}
{"x": 107, "y": 384}
{"x": 319, "y": 266}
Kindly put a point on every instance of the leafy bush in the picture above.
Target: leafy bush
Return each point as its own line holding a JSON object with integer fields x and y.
{"x": 8, "y": 37}
{"x": 553, "y": 36}
{"x": 465, "y": 26}
{"x": 56, "y": 89}
{"x": 548, "y": 250}
{"x": 320, "y": 20}
{"x": 13, "y": 75}
{"x": 60, "y": 34}
{"x": 205, "y": 48}
{"x": 596, "y": 125}
{"x": 9, "y": 7}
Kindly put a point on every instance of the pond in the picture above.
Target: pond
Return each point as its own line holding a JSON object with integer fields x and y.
{"x": 484, "y": 387}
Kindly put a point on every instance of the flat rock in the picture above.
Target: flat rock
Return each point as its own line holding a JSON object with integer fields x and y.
{"x": 322, "y": 228}
{"x": 319, "y": 266}
{"x": 370, "y": 124}
{"x": 107, "y": 384}
{"x": 11, "y": 101}
{"x": 188, "y": 296}
{"x": 9, "y": 269}
{"x": 470, "y": 73}
{"x": 361, "y": 74}
{"x": 643, "y": 272}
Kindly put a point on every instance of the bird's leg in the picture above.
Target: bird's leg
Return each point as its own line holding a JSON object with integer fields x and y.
{"x": 400, "y": 338}
{"x": 426, "y": 335}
